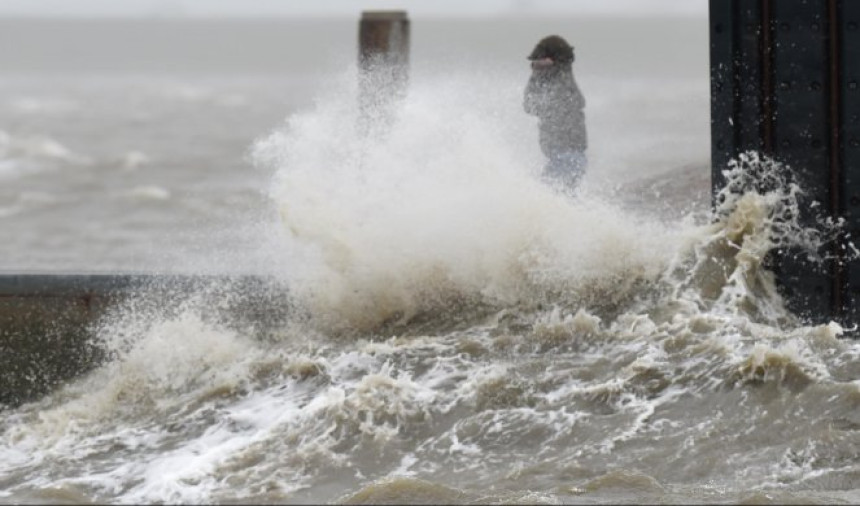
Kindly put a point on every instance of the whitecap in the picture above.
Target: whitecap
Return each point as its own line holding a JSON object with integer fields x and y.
{"x": 132, "y": 160}
{"x": 37, "y": 148}
{"x": 148, "y": 192}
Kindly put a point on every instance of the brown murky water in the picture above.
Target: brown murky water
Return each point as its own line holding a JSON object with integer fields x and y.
{"x": 461, "y": 333}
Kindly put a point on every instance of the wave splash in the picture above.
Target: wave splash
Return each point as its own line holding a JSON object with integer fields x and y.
{"x": 445, "y": 210}
{"x": 505, "y": 343}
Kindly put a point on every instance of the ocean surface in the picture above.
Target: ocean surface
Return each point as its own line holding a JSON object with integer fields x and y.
{"x": 459, "y": 331}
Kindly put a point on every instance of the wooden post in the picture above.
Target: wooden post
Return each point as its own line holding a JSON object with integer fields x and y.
{"x": 383, "y": 57}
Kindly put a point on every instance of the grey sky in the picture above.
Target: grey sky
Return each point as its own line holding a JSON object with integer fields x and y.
{"x": 88, "y": 8}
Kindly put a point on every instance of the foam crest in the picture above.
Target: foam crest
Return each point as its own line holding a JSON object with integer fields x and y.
{"x": 725, "y": 267}
{"x": 147, "y": 193}
{"x": 36, "y": 147}
{"x": 171, "y": 364}
{"x": 31, "y": 154}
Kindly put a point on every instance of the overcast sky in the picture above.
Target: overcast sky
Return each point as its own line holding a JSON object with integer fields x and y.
{"x": 194, "y": 8}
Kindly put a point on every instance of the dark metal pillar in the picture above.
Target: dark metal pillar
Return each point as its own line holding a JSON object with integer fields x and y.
{"x": 847, "y": 89}
{"x": 784, "y": 82}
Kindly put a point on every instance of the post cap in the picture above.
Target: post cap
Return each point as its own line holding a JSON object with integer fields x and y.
{"x": 384, "y": 15}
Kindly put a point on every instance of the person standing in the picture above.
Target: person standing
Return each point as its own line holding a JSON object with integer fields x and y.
{"x": 554, "y": 97}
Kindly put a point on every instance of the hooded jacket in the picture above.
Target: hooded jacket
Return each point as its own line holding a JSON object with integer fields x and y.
{"x": 554, "y": 97}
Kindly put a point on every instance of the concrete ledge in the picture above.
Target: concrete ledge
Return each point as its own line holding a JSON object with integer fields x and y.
{"x": 49, "y": 323}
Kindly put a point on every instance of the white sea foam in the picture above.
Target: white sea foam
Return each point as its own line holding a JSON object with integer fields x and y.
{"x": 26, "y": 153}
{"x": 132, "y": 160}
{"x": 148, "y": 192}
{"x": 614, "y": 340}
{"x": 447, "y": 199}
{"x": 442, "y": 202}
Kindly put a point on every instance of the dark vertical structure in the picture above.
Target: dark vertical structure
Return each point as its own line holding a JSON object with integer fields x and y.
{"x": 383, "y": 61}
{"x": 784, "y": 82}
{"x": 847, "y": 89}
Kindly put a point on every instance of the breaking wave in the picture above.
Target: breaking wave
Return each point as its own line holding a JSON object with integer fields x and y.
{"x": 458, "y": 331}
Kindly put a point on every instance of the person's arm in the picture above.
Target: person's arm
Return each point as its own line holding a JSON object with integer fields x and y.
{"x": 578, "y": 98}
{"x": 535, "y": 97}
{"x": 530, "y": 97}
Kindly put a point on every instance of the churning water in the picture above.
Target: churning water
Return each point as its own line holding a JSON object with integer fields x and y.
{"x": 460, "y": 332}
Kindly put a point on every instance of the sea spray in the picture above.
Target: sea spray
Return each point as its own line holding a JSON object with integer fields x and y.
{"x": 461, "y": 332}
{"x": 444, "y": 210}
{"x": 446, "y": 206}
{"x": 726, "y": 268}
